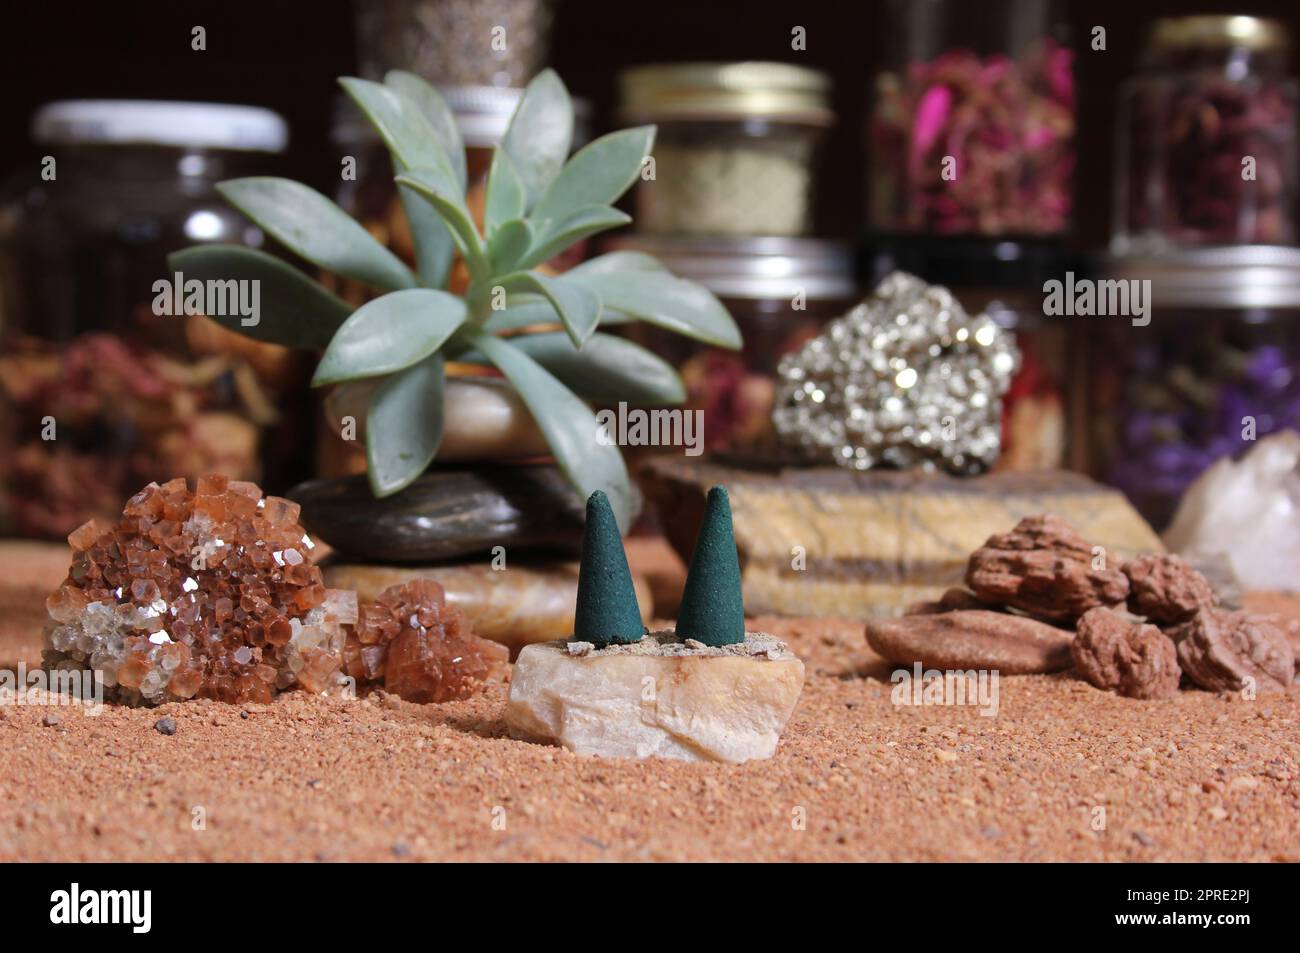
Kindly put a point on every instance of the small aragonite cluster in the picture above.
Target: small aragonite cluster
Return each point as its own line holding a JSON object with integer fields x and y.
{"x": 420, "y": 647}
{"x": 212, "y": 593}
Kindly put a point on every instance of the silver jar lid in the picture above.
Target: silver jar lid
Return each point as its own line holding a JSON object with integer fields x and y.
{"x": 756, "y": 268}
{"x": 160, "y": 123}
{"x": 1223, "y": 276}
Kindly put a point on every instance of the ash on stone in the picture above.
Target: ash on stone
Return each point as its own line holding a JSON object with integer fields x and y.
{"x": 666, "y": 643}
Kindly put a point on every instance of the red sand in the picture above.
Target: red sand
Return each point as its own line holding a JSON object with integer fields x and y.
{"x": 1197, "y": 778}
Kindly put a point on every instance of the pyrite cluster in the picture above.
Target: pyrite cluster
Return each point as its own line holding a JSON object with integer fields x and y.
{"x": 907, "y": 378}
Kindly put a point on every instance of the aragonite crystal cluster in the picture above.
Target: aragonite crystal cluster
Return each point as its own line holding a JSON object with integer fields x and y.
{"x": 907, "y": 378}
{"x": 212, "y": 593}
{"x": 420, "y": 647}
{"x": 209, "y": 593}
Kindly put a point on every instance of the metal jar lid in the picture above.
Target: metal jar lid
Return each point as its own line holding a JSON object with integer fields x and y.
{"x": 160, "y": 123}
{"x": 756, "y": 268}
{"x": 1225, "y": 276}
{"x": 1218, "y": 32}
{"x": 776, "y": 91}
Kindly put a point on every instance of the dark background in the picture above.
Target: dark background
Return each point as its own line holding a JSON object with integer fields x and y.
{"x": 286, "y": 55}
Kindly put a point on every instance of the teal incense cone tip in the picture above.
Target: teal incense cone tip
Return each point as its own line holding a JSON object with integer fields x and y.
{"x": 607, "y": 609}
{"x": 713, "y": 611}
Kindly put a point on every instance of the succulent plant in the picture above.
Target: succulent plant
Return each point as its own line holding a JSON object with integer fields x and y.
{"x": 537, "y": 204}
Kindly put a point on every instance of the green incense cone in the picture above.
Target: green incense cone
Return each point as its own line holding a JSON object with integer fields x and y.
{"x": 607, "y": 609}
{"x": 712, "y": 610}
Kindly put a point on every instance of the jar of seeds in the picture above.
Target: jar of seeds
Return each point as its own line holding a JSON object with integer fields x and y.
{"x": 455, "y": 42}
{"x": 735, "y": 150}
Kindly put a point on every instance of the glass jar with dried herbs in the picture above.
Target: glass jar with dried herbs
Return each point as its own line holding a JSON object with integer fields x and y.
{"x": 110, "y": 375}
{"x": 972, "y": 124}
{"x": 1207, "y": 137}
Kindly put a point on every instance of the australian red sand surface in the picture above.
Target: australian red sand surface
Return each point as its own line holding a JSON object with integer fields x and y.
{"x": 1062, "y": 771}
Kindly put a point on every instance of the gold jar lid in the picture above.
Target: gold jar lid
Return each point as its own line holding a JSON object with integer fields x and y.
{"x": 777, "y": 91}
{"x": 1253, "y": 33}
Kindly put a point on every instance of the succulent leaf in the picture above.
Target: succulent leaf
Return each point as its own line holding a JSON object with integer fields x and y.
{"x": 505, "y": 199}
{"x": 617, "y": 263}
{"x": 568, "y": 424}
{"x": 389, "y": 334}
{"x": 581, "y": 224}
{"x": 310, "y": 225}
{"x": 509, "y": 244}
{"x": 406, "y": 131}
{"x": 524, "y": 311}
{"x": 293, "y": 310}
{"x": 439, "y": 190}
{"x": 577, "y": 306}
{"x": 435, "y": 248}
{"x": 413, "y": 143}
{"x": 439, "y": 115}
{"x": 404, "y": 425}
{"x": 540, "y": 132}
{"x": 598, "y": 174}
{"x": 662, "y": 299}
{"x": 606, "y": 369}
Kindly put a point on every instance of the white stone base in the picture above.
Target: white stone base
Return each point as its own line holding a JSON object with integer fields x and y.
{"x": 657, "y": 697}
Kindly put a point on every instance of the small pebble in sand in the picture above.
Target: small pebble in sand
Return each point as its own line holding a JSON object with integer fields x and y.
{"x": 49, "y": 721}
{"x": 165, "y": 726}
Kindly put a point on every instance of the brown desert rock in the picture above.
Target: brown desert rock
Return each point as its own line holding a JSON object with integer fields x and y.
{"x": 1227, "y": 651}
{"x": 1118, "y": 654}
{"x": 972, "y": 638}
{"x": 951, "y": 600}
{"x": 1045, "y": 568}
{"x": 1165, "y": 589}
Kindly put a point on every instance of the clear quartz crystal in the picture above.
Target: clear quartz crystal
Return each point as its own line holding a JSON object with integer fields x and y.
{"x": 1248, "y": 510}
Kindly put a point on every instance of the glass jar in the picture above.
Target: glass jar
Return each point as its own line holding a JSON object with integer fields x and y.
{"x": 1214, "y": 370}
{"x": 735, "y": 150}
{"x": 1206, "y": 138}
{"x": 455, "y": 42}
{"x": 1003, "y": 279}
{"x": 101, "y": 390}
{"x": 780, "y": 291}
{"x": 972, "y": 123}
